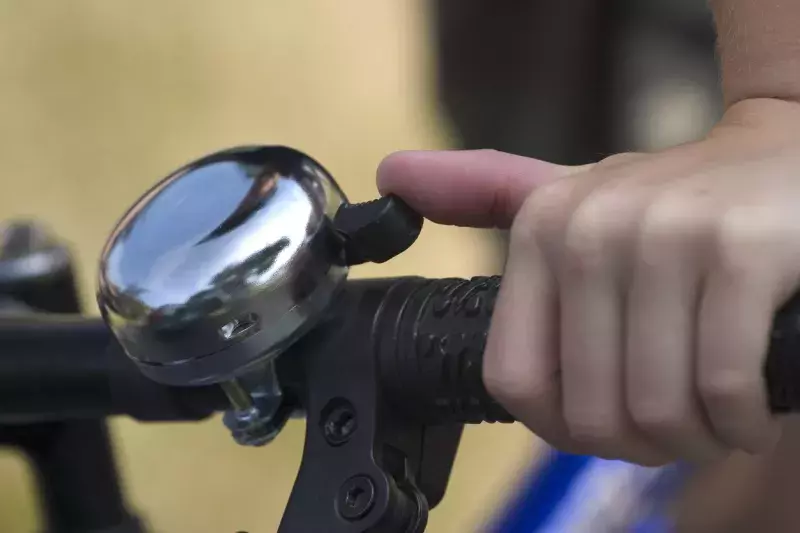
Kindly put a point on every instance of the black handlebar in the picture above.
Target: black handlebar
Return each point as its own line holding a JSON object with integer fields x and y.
{"x": 55, "y": 367}
{"x": 432, "y": 350}
{"x": 429, "y": 338}
{"x": 432, "y": 356}
{"x": 386, "y": 381}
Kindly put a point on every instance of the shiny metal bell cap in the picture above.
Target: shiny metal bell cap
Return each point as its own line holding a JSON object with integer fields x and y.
{"x": 223, "y": 264}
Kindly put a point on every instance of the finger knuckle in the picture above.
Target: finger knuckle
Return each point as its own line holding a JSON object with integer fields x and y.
{"x": 670, "y": 221}
{"x": 592, "y": 429}
{"x": 542, "y": 216}
{"x": 743, "y": 238}
{"x": 547, "y": 206}
{"x": 594, "y": 228}
{"x": 726, "y": 389}
{"x": 657, "y": 417}
{"x": 511, "y": 387}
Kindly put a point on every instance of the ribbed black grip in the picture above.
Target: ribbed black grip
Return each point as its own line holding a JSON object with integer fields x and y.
{"x": 782, "y": 368}
{"x": 431, "y": 363}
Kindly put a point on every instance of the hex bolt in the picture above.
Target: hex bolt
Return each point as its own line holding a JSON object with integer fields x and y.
{"x": 251, "y": 421}
{"x": 339, "y": 422}
{"x": 355, "y": 498}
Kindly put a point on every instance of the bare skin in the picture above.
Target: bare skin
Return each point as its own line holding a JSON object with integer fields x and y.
{"x": 638, "y": 295}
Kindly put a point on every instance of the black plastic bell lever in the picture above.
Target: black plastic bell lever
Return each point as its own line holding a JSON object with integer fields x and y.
{"x": 376, "y": 231}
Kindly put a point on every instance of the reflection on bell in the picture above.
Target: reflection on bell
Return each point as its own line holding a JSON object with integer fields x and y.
{"x": 223, "y": 264}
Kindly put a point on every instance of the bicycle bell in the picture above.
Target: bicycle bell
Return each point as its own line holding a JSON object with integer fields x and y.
{"x": 227, "y": 261}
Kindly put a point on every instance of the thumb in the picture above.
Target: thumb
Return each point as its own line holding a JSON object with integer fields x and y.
{"x": 479, "y": 188}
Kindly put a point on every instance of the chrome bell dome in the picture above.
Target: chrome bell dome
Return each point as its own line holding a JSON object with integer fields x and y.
{"x": 223, "y": 264}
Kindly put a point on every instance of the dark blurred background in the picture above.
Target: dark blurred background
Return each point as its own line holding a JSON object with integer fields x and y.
{"x": 576, "y": 80}
{"x": 100, "y": 99}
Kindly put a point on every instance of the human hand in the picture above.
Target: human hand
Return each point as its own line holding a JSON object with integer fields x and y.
{"x": 637, "y": 300}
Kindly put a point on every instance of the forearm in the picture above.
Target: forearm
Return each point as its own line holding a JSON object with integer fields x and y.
{"x": 759, "y": 48}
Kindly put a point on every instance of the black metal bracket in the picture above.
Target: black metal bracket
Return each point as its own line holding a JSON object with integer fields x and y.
{"x": 366, "y": 467}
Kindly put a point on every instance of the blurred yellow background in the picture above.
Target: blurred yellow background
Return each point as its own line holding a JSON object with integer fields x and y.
{"x": 99, "y": 99}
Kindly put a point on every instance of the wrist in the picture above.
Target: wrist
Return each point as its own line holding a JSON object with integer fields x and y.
{"x": 758, "y": 50}
{"x": 772, "y": 118}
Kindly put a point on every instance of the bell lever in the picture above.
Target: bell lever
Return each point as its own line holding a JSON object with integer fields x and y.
{"x": 376, "y": 231}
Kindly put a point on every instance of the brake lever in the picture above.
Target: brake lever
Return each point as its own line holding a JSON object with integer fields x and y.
{"x": 385, "y": 416}
{"x": 360, "y": 462}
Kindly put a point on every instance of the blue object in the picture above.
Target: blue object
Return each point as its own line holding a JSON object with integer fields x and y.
{"x": 545, "y": 489}
{"x": 582, "y": 493}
